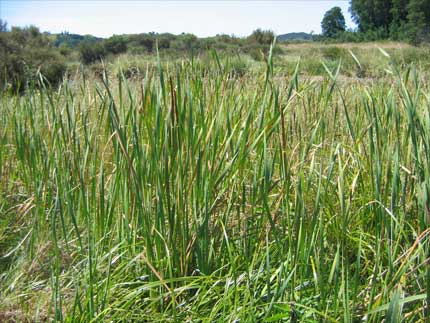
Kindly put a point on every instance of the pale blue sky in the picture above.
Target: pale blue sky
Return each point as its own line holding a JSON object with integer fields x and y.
{"x": 202, "y": 18}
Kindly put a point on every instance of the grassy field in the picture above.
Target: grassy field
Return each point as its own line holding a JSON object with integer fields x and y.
{"x": 221, "y": 189}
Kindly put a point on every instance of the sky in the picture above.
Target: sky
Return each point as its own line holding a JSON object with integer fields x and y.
{"x": 203, "y": 18}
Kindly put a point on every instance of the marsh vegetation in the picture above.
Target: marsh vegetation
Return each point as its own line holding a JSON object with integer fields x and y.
{"x": 217, "y": 188}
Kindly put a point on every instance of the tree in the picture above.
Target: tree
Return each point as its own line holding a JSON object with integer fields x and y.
{"x": 262, "y": 37}
{"x": 418, "y": 26}
{"x": 333, "y": 22}
{"x": 371, "y": 15}
{"x": 399, "y": 19}
{"x": 399, "y": 12}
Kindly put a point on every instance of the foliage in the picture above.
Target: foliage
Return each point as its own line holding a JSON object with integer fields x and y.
{"x": 199, "y": 195}
{"x": 374, "y": 14}
{"x": 418, "y": 25}
{"x": 399, "y": 19}
{"x": 91, "y": 49}
{"x": 115, "y": 45}
{"x": 333, "y": 22}
{"x": 185, "y": 42}
{"x": 90, "y": 53}
{"x": 262, "y": 37}
{"x": 24, "y": 53}
{"x": 148, "y": 43}
{"x": 73, "y": 40}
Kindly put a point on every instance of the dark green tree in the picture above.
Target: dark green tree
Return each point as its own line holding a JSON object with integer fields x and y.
{"x": 398, "y": 19}
{"x": 399, "y": 11}
{"x": 418, "y": 26}
{"x": 333, "y": 22}
{"x": 399, "y": 15}
{"x": 372, "y": 14}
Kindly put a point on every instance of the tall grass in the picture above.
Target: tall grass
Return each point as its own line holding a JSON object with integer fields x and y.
{"x": 202, "y": 195}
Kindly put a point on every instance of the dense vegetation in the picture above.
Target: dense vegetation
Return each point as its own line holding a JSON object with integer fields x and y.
{"x": 407, "y": 20}
{"x": 68, "y": 40}
{"x": 25, "y": 55}
{"x": 194, "y": 193}
{"x": 400, "y": 19}
{"x": 169, "y": 178}
{"x": 24, "y": 52}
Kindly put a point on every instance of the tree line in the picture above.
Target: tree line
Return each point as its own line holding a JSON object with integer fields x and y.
{"x": 256, "y": 45}
{"x": 28, "y": 56}
{"x": 407, "y": 20}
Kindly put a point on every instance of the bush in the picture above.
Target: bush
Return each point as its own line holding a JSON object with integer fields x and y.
{"x": 115, "y": 45}
{"x": 12, "y": 73}
{"x": 262, "y": 37}
{"x": 64, "y": 49}
{"x": 90, "y": 53}
{"x": 23, "y": 53}
{"x": 148, "y": 43}
{"x": 185, "y": 42}
{"x": 164, "y": 41}
{"x": 53, "y": 71}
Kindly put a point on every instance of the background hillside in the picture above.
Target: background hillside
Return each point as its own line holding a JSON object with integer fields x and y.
{"x": 295, "y": 36}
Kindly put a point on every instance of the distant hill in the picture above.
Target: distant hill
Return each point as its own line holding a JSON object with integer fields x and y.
{"x": 295, "y": 36}
{"x": 73, "y": 40}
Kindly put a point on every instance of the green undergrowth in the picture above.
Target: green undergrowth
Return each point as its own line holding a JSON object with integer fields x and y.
{"x": 199, "y": 193}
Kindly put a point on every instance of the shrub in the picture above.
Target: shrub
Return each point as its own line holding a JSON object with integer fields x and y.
{"x": 164, "y": 41}
{"x": 115, "y": 45}
{"x": 185, "y": 42}
{"x": 54, "y": 71}
{"x": 12, "y": 73}
{"x": 148, "y": 43}
{"x": 262, "y": 37}
{"x": 64, "y": 49}
{"x": 90, "y": 53}
{"x": 23, "y": 53}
